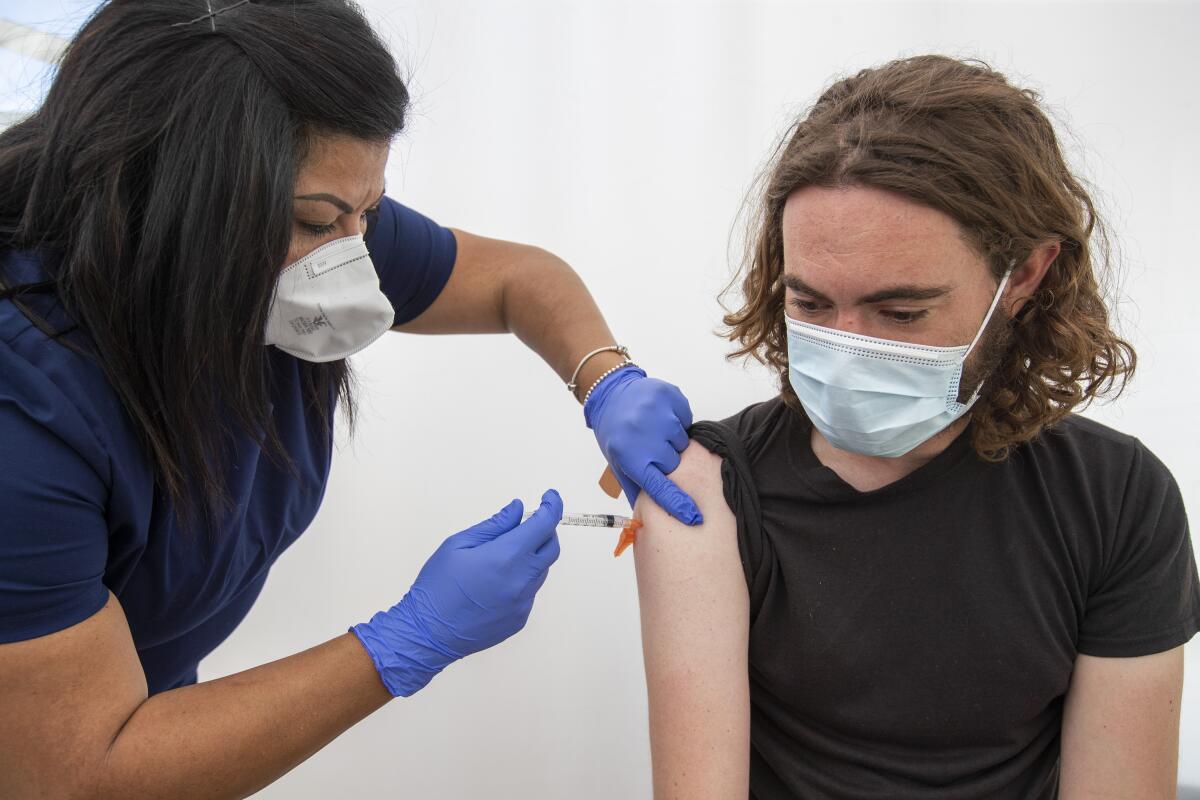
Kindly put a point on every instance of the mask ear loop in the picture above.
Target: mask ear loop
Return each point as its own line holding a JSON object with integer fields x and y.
{"x": 986, "y": 319}
{"x": 991, "y": 309}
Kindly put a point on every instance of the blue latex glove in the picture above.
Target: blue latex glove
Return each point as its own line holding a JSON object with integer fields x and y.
{"x": 641, "y": 424}
{"x": 475, "y": 591}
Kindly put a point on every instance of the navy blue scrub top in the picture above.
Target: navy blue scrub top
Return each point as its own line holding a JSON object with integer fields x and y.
{"x": 79, "y": 513}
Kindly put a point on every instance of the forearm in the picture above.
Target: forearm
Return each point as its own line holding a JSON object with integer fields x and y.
{"x": 548, "y": 307}
{"x": 230, "y": 737}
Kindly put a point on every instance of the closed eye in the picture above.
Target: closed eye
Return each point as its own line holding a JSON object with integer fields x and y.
{"x": 370, "y": 216}
{"x": 317, "y": 230}
{"x": 905, "y": 317}
{"x": 805, "y": 306}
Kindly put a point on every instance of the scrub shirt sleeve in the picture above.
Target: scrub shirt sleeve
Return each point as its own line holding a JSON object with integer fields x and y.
{"x": 53, "y": 534}
{"x": 1148, "y": 597}
{"x": 413, "y": 256}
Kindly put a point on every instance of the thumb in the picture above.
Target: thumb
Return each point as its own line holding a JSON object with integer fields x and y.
{"x": 536, "y": 531}
{"x": 499, "y": 523}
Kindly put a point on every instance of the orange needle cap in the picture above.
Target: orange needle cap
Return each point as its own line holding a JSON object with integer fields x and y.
{"x": 628, "y": 536}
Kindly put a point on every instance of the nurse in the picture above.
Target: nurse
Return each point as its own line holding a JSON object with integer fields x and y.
{"x": 194, "y": 235}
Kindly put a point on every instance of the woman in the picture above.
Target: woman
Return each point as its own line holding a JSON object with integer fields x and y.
{"x": 184, "y": 271}
{"x": 920, "y": 575}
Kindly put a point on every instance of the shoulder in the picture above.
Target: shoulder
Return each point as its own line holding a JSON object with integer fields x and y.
{"x": 1080, "y": 432}
{"x": 699, "y": 475}
{"x": 413, "y": 257}
{"x": 404, "y": 232}
{"x": 56, "y": 481}
{"x": 755, "y": 421}
{"x": 49, "y": 386}
{"x": 1119, "y": 498}
{"x": 699, "y": 470}
{"x": 35, "y": 404}
{"x": 1096, "y": 452}
{"x": 752, "y": 429}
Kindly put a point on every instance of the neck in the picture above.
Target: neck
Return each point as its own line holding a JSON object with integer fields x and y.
{"x": 867, "y": 473}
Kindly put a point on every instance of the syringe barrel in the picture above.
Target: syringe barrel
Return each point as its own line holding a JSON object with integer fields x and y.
{"x": 592, "y": 520}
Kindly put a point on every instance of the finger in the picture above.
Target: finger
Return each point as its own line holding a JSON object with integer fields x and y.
{"x": 665, "y": 457}
{"x": 678, "y": 438}
{"x": 681, "y": 407}
{"x": 534, "y": 586}
{"x": 534, "y": 532}
{"x": 499, "y": 523}
{"x": 548, "y": 553}
{"x": 670, "y": 497}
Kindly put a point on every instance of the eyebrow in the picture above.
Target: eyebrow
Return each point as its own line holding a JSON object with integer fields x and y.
{"x": 905, "y": 291}
{"x": 341, "y": 204}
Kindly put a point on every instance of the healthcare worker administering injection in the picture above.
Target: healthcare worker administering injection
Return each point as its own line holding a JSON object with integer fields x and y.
{"x": 194, "y": 235}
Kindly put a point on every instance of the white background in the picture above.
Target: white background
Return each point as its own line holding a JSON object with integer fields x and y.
{"x": 622, "y": 136}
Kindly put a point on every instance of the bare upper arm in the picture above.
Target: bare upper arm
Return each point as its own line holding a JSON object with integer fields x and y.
{"x": 695, "y": 629}
{"x": 1120, "y": 735}
{"x": 65, "y": 697}
{"x": 472, "y": 300}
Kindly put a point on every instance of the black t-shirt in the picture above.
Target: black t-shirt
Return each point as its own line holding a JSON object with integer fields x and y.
{"x": 917, "y": 641}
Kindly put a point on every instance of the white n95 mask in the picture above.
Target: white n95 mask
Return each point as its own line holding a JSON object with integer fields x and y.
{"x": 878, "y": 397}
{"x": 328, "y": 304}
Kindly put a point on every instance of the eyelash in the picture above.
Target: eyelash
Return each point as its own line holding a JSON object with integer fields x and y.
{"x": 317, "y": 231}
{"x": 909, "y": 316}
{"x": 897, "y": 317}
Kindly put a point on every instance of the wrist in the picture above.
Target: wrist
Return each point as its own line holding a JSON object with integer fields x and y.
{"x": 606, "y": 386}
{"x": 405, "y": 657}
{"x": 592, "y": 371}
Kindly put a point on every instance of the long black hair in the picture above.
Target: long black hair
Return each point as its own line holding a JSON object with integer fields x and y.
{"x": 161, "y": 169}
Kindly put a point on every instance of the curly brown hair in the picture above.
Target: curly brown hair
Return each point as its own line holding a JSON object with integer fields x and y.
{"x": 957, "y": 137}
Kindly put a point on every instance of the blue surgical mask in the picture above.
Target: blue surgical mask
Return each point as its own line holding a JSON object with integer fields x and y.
{"x": 878, "y": 397}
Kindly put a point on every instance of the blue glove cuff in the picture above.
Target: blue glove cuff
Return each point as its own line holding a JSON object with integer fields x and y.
{"x": 604, "y": 388}
{"x": 404, "y": 671}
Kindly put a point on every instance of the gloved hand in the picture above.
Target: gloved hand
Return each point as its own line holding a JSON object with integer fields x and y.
{"x": 475, "y": 591}
{"x": 641, "y": 424}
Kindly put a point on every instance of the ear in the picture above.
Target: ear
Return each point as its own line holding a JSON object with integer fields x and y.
{"x": 1027, "y": 276}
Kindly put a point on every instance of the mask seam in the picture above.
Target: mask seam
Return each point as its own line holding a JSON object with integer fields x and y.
{"x": 312, "y": 275}
{"x": 804, "y": 331}
{"x": 851, "y": 350}
{"x": 309, "y": 257}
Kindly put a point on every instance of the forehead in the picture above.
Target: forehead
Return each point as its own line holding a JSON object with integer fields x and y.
{"x": 871, "y": 233}
{"x": 343, "y": 165}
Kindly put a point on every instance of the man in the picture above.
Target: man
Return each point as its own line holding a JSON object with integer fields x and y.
{"x": 919, "y": 574}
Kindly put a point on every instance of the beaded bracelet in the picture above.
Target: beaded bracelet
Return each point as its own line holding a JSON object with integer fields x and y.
{"x": 615, "y": 348}
{"x": 622, "y": 365}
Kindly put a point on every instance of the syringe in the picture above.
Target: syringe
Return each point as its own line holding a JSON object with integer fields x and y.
{"x": 592, "y": 520}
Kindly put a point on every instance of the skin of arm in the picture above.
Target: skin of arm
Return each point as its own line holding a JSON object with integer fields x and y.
{"x": 695, "y": 633}
{"x": 1120, "y": 734}
{"x": 506, "y": 287}
{"x": 78, "y": 723}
